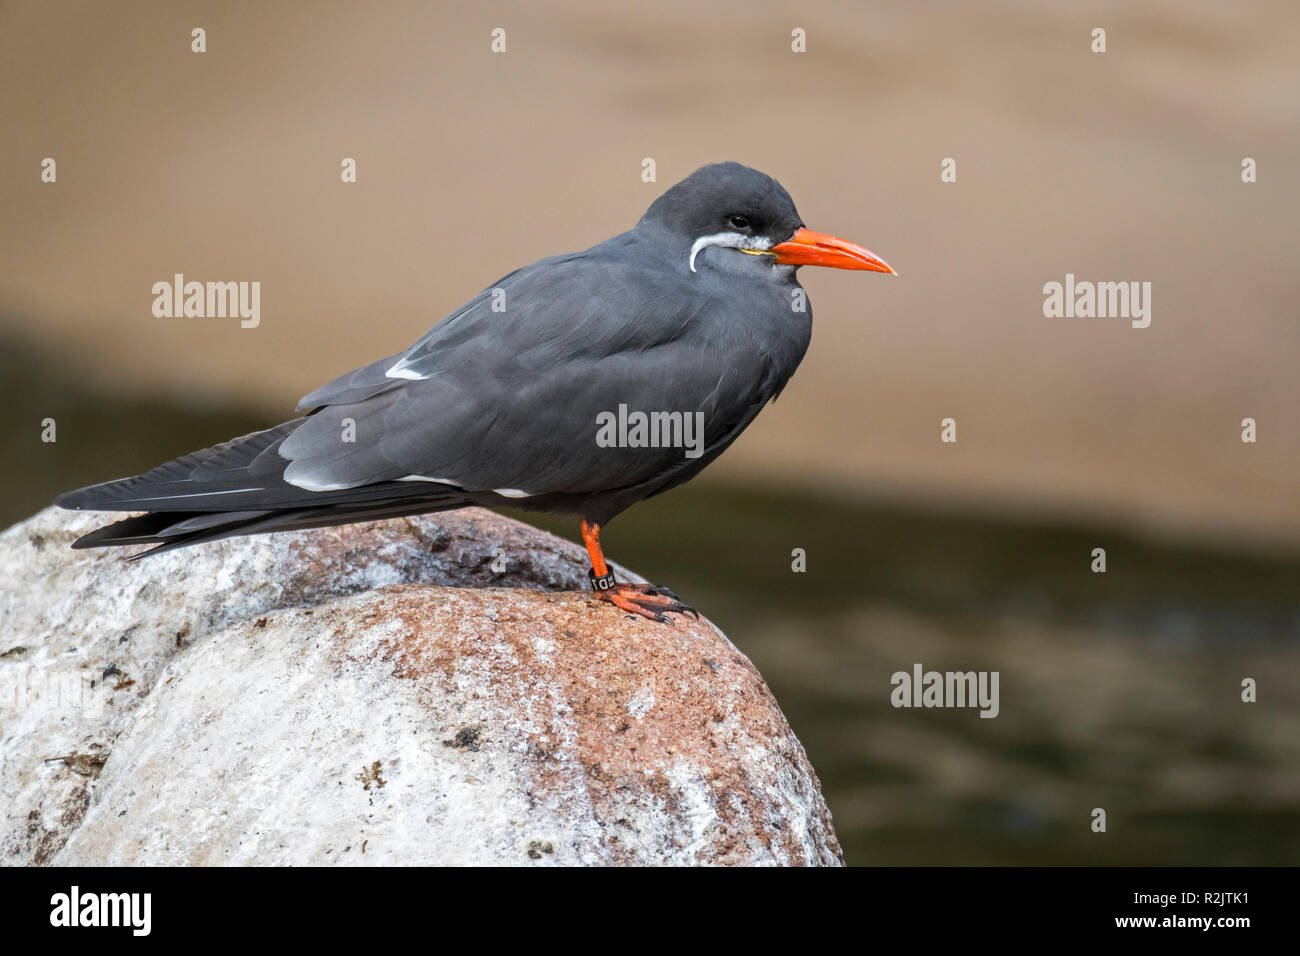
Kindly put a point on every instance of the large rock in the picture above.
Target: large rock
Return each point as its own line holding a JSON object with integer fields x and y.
{"x": 437, "y": 690}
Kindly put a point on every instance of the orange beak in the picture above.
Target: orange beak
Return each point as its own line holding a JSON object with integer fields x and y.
{"x": 808, "y": 248}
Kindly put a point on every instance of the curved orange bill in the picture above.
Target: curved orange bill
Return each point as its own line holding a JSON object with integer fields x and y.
{"x": 808, "y": 248}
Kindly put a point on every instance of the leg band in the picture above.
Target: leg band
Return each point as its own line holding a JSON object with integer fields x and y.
{"x": 603, "y": 583}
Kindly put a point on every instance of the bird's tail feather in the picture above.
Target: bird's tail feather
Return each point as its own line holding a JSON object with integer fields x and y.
{"x": 170, "y": 530}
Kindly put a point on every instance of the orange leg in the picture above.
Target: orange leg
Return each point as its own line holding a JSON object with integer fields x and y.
{"x": 646, "y": 600}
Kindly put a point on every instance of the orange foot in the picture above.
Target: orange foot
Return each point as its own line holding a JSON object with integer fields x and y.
{"x": 647, "y": 601}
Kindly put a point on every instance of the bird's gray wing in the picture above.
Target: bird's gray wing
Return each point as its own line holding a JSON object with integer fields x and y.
{"x": 372, "y": 379}
{"x": 507, "y": 399}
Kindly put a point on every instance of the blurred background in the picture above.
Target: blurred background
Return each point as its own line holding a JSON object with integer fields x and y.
{"x": 1118, "y": 690}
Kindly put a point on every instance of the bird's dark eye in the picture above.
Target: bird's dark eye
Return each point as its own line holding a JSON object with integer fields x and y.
{"x": 739, "y": 223}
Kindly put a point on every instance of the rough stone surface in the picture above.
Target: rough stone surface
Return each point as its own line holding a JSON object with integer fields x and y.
{"x": 436, "y": 690}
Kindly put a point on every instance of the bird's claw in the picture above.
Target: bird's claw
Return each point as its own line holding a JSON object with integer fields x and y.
{"x": 648, "y": 601}
{"x": 650, "y": 589}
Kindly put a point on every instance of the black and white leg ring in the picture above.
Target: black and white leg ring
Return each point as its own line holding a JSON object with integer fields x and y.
{"x": 604, "y": 582}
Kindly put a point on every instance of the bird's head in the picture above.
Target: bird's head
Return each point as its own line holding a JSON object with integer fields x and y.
{"x": 731, "y": 206}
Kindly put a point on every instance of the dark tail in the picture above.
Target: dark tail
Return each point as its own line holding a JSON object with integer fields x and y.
{"x": 238, "y": 488}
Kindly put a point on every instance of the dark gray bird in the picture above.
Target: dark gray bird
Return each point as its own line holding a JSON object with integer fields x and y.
{"x": 579, "y": 384}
